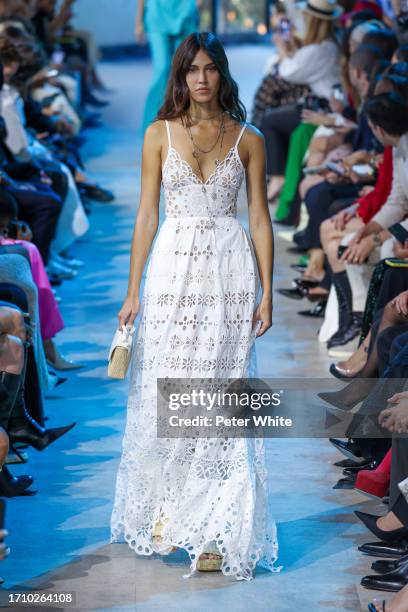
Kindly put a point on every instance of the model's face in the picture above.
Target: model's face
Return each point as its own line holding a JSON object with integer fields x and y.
{"x": 203, "y": 78}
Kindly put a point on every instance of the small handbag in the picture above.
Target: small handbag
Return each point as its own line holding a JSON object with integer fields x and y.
{"x": 120, "y": 352}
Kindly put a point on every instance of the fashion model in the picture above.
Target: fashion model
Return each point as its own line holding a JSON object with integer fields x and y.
{"x": 207, "y": 296}
{"x": 165, "y": 24}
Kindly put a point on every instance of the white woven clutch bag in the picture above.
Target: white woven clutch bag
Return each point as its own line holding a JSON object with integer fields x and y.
{"x": 120, "y": 352}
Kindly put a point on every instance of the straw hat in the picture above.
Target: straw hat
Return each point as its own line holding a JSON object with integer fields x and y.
{"x": 324, "y": 9}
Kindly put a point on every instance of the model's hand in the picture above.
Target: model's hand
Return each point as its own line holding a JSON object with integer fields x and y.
{"x": 263, "y": 312}
{"x": 128, "y": 312}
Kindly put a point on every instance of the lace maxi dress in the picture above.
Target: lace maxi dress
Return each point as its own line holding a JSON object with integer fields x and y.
{"x": 200, "y": 293}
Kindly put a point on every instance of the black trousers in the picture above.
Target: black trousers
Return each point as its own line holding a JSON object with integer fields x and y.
{"x": 12, "y": 295}
{"x": 395, "y": 281}
{"x": 41, "y": 210}
{"x": 277, "y": 126}
{"x": 319, "y": 200}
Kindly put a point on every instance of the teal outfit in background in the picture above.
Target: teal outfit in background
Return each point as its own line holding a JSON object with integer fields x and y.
{"x": 166, "y": 23}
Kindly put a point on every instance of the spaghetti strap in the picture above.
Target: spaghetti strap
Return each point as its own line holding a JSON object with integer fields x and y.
{"x": 240, "y": 135}
{"x": 168, "y": 132}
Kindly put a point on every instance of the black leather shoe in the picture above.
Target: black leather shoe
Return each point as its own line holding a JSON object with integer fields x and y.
{"x": 346, "y": 483}
{"x": 315, "y": 313}
{"x": 392, "y": 581}
{"x": 350, "y": 449}
{"x": 294, "y": 294}
{"x": 28, "y": 431}
{"x": 371, "y": 465}
{"x": 11, "y": 486}
{"x": 387, "y": 550}
{"x": 370, "y": 521}
{"x": 346, "y": 335}
{"x": 383, "y": 567}
{"x": 346, "y": 463}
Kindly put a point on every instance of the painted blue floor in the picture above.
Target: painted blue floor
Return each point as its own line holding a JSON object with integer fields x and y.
{"x": 60, "y": 537}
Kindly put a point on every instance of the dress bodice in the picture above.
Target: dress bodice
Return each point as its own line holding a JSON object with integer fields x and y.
{"x": 186, "y": 195}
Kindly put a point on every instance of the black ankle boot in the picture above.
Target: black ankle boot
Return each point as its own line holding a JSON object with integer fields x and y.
{"x": 9, "y": 388}
{"x": 345, "y": 307}
{"x": 347, "y": 335}
{"x": 10, "y": 486}
{"x": 23, "y": 428}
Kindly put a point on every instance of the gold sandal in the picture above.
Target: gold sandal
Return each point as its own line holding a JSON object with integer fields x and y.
{"x": 210, "y": 565}
{"x": 158, "y": 537}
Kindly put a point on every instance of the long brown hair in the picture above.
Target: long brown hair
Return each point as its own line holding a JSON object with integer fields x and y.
{"x": 318, "y": 30}
{"x": 177, "y": 99}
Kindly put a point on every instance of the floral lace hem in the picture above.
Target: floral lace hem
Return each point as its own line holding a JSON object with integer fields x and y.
{"x": 239, "y": 564}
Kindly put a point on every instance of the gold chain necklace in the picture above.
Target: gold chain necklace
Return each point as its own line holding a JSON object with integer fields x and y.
{"x": 196, "y": 148}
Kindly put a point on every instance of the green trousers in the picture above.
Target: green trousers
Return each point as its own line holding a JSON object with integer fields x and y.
{"x": 298, "y": 145}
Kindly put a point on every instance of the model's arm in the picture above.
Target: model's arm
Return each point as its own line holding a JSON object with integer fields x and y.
{"x": 260, "y": 225}
{"x": 139, "y": 29}
{"x": 147, "y": 220}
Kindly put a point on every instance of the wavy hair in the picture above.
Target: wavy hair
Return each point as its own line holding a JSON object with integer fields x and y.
{"x": 177, "y": 98}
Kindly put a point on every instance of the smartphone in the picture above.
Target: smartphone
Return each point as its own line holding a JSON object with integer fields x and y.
{"x": 399, "y": 232}
{"x": 336, "y": 168}
{"x": 314, "y": 170}
{"x": 363, "y": 169}
{"x": 338, "y": 93}
{"x": 285, "y": 28}
{"x": 57, "y": 57}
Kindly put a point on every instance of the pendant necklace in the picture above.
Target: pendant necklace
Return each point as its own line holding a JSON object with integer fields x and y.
{"x": 217, "y": 162}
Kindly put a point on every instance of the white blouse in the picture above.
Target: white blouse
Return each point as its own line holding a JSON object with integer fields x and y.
{"x": 316, "y": 65}
{"x": 396, "y": 207}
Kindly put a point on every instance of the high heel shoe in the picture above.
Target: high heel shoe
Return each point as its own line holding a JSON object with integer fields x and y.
{"x": 383, "y": 567}
{"x": 392, "y": 581}
{"x": 11, "y": 486}
{"x": 58, "y": 361}
{"x": 157, "y": 535}
{"x": 370, "y": 521}
{"x": 26, "y": 430}
{"x": 210, "y": 565}
{"x": 343, "y": 373}
{"x": 375, "y": 483}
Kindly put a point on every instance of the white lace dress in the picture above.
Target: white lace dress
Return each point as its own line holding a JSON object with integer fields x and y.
{"x": 201, "y": 289}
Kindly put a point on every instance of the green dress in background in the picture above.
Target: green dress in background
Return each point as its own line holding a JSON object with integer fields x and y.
{"x": 166, "y": 23}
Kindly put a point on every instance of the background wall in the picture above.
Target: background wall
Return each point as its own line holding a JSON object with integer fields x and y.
{"x": 111, "y": 21}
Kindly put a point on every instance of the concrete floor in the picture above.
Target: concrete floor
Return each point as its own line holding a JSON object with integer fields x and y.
{"x": 60, "y": 537}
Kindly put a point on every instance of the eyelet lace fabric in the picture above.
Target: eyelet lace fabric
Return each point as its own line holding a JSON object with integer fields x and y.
{"x": 201, "y": 289}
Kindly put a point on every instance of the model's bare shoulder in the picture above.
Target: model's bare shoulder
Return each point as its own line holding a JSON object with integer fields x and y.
{"x": 253, "y": 136}
{"x": 155, "y": 138}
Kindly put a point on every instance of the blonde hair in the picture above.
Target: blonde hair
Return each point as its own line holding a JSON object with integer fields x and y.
{"x": 318, "y": 30}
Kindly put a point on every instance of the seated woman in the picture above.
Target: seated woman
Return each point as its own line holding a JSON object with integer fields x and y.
{"x": 50, "y": 318}
{"x": 12, "y": 338}
{"x": 317, "y": 65}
